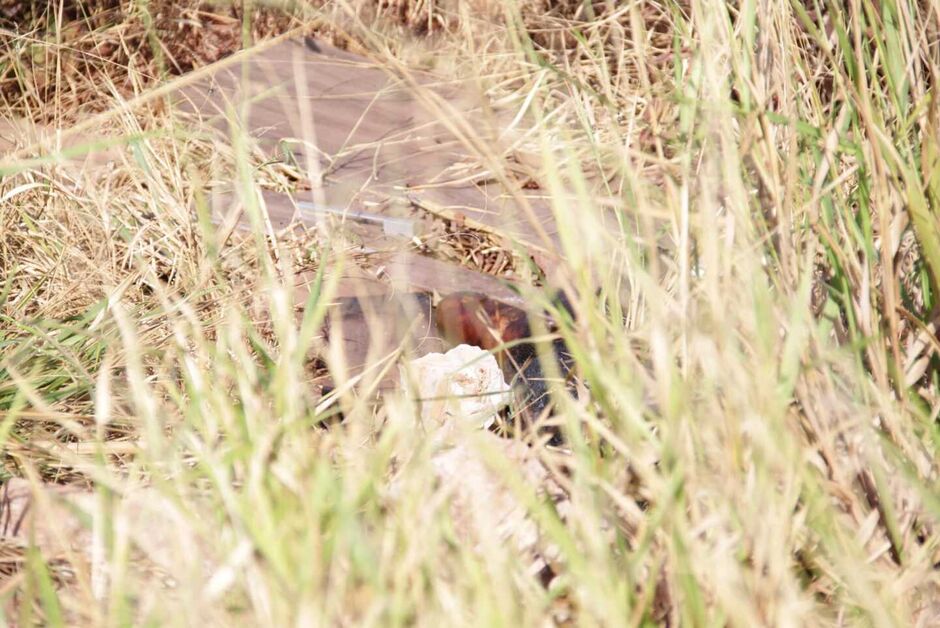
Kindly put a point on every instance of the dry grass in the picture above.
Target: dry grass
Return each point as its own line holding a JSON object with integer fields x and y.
{"x": 747, "y": 197}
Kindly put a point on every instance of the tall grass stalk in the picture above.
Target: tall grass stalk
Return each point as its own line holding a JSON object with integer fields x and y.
{"x": 746, "y": 195}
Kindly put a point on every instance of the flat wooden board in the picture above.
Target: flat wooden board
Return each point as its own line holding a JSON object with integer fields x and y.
{"x": 346, "y": 118}
{"x": 364, "y": 330}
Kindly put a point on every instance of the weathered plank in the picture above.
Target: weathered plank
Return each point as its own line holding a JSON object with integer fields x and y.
{"x": 348, "y": 121}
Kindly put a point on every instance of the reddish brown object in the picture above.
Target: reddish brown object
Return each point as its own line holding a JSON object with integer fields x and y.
{"x": 475, "y": 319}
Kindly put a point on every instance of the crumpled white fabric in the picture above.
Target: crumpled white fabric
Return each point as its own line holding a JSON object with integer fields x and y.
{"x": 464, "y": 385}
